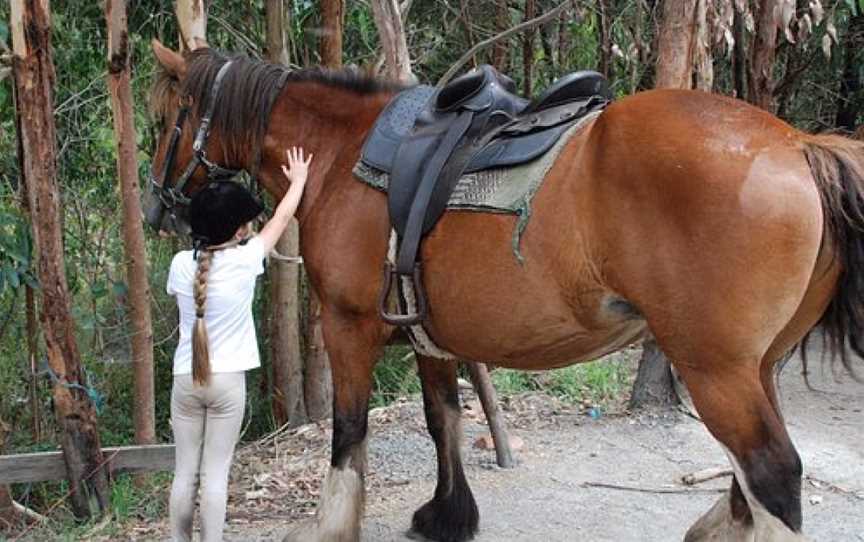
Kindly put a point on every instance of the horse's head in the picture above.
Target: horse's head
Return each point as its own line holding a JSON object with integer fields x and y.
{"x": 187, "y": 155}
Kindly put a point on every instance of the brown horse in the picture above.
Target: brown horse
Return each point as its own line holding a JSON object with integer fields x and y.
{"x": 711, "y": 224}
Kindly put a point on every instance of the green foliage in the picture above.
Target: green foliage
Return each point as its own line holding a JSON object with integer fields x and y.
{"x": 597, "y": 382}
{"x": 15, "y": 252}
{"x": 395, "y": 376}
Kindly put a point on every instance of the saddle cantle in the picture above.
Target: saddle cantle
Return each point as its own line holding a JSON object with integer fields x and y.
{"x": 426, "y": 139}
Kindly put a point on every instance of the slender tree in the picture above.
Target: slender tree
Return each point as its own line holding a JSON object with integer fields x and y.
{"x": 676, "y": 44}
{"x": 528, "y": 50}
{"x": 851, "y": 97}
{"x": 762, "y": 54}
{"x": 119, "y": 74}
{"x": 500, "y": 51}
{"x": 391, "y": 30}
{"x": 8, "y": 513}
{"x": 287, "y": 382}
{"x": 87, "y": 473}
{"x": 604, "y": 37}
{"x": 333, "y": 19}
{"x": 739, "y": 56}
{"x": 192, "y": 20}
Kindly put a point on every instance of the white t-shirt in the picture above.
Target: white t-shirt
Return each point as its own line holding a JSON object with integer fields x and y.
{"x": 228, "y": 310}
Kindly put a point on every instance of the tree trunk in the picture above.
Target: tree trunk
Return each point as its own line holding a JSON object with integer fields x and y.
{"x": 276, "y": 49}
{"x": 604, "y": 37}
{"x": 702, "y": 50}
{"x": 739, "y": 57}
{"x": 8, "y": 513}
{"x": 851, "y": 96}
{"x": 288, "y": 381}
{"x": 465, "y": 17}
{"x": 119, "y": 73}
{"x": 653, "y": 386}
{"x": 32, "y": 356}
{"x": 192, "y": 22}
{"x": 32, "y": 329}
{"x": 287, "y": 360}
{"x": 564, "y": 42}
{"x": 500, "y": 51}
{"x": 391, "y": 30}
{"x": 332, "y": 17}
{"x": 762, "y": 53}
{"x": 676, "y": 44}
{"x": 528, "y": 51}
{"x": 318, "y": 382}
{"x": 34, "y": 77}
{"x": 548, "y": 52}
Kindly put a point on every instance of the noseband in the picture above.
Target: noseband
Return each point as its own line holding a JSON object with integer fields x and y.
{"x": 171, "y": 194}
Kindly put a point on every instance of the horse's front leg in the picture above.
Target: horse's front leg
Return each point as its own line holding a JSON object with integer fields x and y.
{"x": 354, "y": 347}
{"x": 451, "y": 515}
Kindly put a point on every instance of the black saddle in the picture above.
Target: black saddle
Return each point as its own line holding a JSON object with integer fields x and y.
{"x": 426, "y": 139}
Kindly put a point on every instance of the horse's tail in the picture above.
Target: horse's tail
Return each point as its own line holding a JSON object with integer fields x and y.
{"x": 837, "y": 164}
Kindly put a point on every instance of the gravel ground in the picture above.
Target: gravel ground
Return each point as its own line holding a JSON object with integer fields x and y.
{"x": 616, "y": 478}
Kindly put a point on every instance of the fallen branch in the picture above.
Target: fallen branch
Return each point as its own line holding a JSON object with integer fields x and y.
{"x": 650, "y": 490}
{"x": 822, "y": 484}
{"x": 32, "y": 514}
{"x": 521, "y": 27}
{"x": 704, "y": 475}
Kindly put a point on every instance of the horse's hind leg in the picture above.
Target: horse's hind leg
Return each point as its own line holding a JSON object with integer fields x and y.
{"x": 451, "y": 515}
{"x": 736, "y": 409}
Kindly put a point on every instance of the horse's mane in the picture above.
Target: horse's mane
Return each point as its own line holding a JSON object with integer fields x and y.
{"x": 248, "y": 93}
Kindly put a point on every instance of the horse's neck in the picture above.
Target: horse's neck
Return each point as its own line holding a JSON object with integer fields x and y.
{"x": 331, "y": 125}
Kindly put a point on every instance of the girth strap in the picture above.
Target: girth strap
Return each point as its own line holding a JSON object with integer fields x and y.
{"x": 416, "y": 217}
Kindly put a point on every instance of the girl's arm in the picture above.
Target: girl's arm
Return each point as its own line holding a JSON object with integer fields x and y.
{"x": 296, "y": 172}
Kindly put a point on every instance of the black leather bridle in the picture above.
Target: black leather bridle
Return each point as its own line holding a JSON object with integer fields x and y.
{"x": 171, "y": 194}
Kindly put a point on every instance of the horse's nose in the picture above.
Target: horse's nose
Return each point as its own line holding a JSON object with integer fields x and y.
{"x": 152, "y": 210}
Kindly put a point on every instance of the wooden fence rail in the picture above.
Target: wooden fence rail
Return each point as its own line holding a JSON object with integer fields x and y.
{"x": 45, "y": 466}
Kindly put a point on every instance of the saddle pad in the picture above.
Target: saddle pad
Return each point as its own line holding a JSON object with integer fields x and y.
{"x": 498, "y": 190}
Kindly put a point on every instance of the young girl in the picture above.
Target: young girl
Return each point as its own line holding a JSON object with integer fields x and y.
{"x": 214, "y": 285}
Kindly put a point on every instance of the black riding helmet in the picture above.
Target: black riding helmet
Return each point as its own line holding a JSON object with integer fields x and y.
{"x": 218, "y": 209}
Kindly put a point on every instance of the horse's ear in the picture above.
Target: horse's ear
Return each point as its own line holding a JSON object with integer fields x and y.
{"x": 172, "y": 62}
{"x": 200, "y": 43}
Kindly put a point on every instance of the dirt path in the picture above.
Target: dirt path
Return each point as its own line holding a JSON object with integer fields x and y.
{"x": 546, "y": 497}
{"x": 550, "y": 496}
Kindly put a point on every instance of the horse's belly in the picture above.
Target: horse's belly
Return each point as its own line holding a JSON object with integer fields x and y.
{"x": 546, "y": 312}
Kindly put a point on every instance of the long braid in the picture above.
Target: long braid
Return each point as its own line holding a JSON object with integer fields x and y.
{"x": 200, "y": 341}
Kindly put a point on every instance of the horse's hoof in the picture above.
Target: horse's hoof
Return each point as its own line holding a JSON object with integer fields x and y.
{"x": 450, "y": 520}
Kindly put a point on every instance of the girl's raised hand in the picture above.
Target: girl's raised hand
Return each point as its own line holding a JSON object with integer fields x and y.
{"x": 297, "y": 169}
